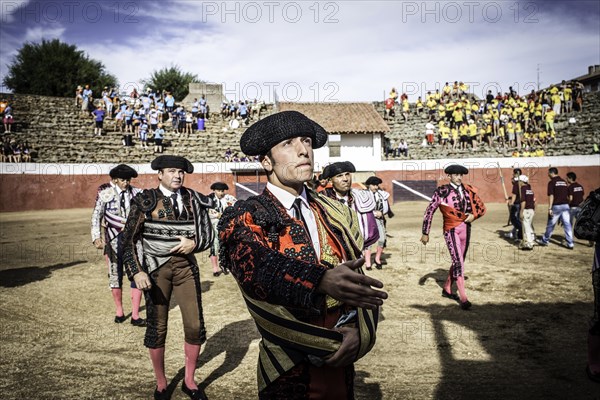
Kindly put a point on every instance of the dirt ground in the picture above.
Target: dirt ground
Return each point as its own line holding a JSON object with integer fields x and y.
{"x": 524, "y": 338}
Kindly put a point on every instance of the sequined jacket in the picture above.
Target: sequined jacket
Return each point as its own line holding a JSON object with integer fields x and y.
{"x": 152, "y": 205}
{"x": 271, "y": 255}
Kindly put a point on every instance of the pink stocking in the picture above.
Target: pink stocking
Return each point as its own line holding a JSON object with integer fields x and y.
{"x": 191, "y": 357}
{"x": 460, "y": 284}
{"x": 378, "y": 255}
{"x": 136, "y": 299}
{"x": 158, "y": 363}
{"x": 448, "y": 284}
{"x": 367, "y": 253}
{"x": 215, "y": 263}
{"x": 117, "y": 295}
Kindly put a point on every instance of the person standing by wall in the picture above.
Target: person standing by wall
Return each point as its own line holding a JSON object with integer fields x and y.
{"x": 112, "y": 207}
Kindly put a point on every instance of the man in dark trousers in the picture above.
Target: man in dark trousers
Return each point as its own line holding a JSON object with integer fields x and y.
{"x": 576, "y": 195}
{"x": 172, "y": 223}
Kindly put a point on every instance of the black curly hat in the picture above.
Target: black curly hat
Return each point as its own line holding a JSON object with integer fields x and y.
{"x": 168, "y": 161}
{"x": 266, "y": 133}
{"x": 123, "y": 171}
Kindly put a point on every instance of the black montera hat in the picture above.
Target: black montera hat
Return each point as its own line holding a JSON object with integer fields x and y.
{"x": 338, "y": 168}
{"x": 373, "y": 180}
{"x": 456, "y": 169}
{"x": 266, "y": 133}
{"x": 219, "y": 186}
{"x": 167, "y": 161}
{"x": 123, "y": 171}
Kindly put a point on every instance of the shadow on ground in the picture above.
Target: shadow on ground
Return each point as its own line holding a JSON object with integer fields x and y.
{"x": 537, "y": 349}
{"x": 22, "y": 276}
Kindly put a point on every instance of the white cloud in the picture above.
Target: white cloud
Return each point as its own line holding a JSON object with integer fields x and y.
{"x": 366, "y": 49}
{"x": 8, "y": 9}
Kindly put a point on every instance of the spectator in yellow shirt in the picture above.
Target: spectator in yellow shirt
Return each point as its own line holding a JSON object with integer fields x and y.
{"x": 568, "y": 97}
{"x": 550, "y": 115}
{"x": 405, "y": 109}
{"x": 419, "y": 106}
{"x": 473, "y": 135}
{"x": 556, "y": 103}
{"x": 444, "y": 135}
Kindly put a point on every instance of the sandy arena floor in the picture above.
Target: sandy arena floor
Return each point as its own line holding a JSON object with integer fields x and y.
{"x": 524, "y": 338}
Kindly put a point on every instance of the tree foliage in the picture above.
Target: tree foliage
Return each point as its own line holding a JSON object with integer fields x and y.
{"x": 171, "y": 79}
{"x": 53, "y": 68}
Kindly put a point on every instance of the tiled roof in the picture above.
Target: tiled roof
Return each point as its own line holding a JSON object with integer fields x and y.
{"x": 341, "y": 117}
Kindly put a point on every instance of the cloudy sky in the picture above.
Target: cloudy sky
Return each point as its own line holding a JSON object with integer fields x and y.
{"x": 321, "y": 50}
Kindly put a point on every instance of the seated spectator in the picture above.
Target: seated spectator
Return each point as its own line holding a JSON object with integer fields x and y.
{"x": 228, "y": 155}
{"x": 16, "y": 151}
{"x": 26, "y": 152}
{"x": 403, "y": 148}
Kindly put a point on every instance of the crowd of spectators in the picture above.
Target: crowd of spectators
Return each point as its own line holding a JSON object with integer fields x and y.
{"x": 521, "y": 124}
{"x": 140, "y": 115}
{"x": 13, "y": 150}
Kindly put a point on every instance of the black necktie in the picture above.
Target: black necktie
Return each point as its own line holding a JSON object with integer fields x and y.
{"x": 122, "y": 202}
{"x": 343, "y": 201}
{"x": 175, "y": 205}
{"x": 297, "y": 207}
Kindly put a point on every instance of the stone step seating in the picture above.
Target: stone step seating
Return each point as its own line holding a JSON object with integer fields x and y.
{"x": 58, "y": 132}
{"x": 572, "y": 139}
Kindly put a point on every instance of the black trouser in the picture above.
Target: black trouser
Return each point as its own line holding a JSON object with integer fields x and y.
{"x": 515, "y": 210}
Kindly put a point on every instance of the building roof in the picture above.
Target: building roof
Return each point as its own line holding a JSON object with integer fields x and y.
{"x": 339, "y": 118}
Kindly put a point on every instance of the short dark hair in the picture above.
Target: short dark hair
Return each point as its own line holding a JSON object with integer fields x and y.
{"x": 572, "y": 176}
{"x": 553, "y": 170}
{"x": 517, "y": 171}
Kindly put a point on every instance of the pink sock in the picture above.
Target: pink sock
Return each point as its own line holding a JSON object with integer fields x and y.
{"x": 191, "y": 357}
{"x": 136, "y": 299}
{"x": 117, "y": 295}
{"x": 448, "y": 284}
{"x": 367, "y": 253}
{"x": 460, "y": 284}
{"x": 378, "y": 255}
{"x": 157, "y": 356}
{"x": 215, "y": 263}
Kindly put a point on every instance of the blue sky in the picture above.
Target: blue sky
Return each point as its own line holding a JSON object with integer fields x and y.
{"x": 321, "y": 50}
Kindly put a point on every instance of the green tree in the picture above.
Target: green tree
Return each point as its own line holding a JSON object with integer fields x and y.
{"x": 54, "y": 68}
{"x": 171, "y": 79}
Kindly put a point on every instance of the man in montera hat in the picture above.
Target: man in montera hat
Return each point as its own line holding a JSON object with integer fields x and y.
{"x": 172, "y": 223}
{"x": 361, "y": 201}
{"x": 460, "y": 206}
{"x": 296, "y": 256}
{"x": 221, "y": 201}
{"x": 112, "y": 207}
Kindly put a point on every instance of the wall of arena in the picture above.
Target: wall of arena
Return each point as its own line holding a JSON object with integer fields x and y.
{"x": 26, "y": 187}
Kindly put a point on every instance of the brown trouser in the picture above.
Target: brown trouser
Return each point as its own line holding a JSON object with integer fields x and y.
{"x": 180, "y": 277}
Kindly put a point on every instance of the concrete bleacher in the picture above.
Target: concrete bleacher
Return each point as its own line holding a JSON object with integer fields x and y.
{"x": 58, "y": 132}
{"x": 572, "y": 139}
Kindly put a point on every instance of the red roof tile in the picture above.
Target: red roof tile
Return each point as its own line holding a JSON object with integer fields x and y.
{"x": 340, "y": 118}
